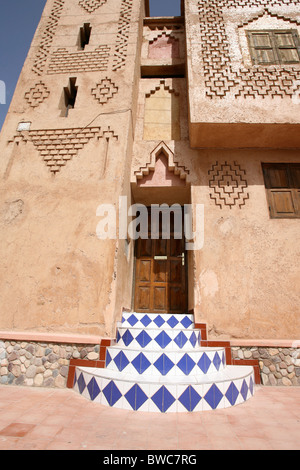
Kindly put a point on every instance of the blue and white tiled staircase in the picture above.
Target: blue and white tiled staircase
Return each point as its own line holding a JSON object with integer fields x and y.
{"x": 157, "y": 364}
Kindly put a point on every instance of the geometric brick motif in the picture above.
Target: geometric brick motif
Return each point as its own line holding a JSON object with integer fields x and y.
{"x": 58, "y": 146}
{"x": 228, "y": 185}
{"x": 63, "y": 61}
{"x": 104, "y": 91}
{"x": 36, "y": 95}
{"x": 219, "y": 75}
{"x": 91, "y": 5}
{"x": 120, "y": 53}
{"x": 47, "y": 37}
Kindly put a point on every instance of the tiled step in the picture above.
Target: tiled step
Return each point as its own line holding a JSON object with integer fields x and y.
{"x": 231, "y": 386}
{"x": 171, "y": 363}
{"x": 157, "y": 363}
{"x": 156, "y": 320}
{"x": 157, "y": 338}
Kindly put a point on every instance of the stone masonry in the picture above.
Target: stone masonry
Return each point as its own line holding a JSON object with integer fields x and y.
{"x": 278, "y": 366}
{"x": 40, "y": 364}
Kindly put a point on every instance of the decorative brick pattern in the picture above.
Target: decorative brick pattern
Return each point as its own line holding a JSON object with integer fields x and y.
{"x": 58, "y": 146}
{"x": 91, "y": 5}
{"x": 37, "y": 94}
{"x": 122, "y": 35}
{"x": 228, "y": 185}
{"x": 220, "y": 76}
{"x": 63, "y": 61}
{"x": 47, "y": 37}
{"x": 104, "y": 91}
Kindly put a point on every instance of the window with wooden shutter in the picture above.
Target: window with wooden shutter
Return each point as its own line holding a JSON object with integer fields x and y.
{"x": 269, "y": 47}
{"x": 282, "y": 181}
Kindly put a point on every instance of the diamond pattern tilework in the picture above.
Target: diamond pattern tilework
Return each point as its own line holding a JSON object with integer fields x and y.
{"x": 213, "y": 396}
{"x": 186, "y": 364}
{"x": 164, "y": 364}
{"x": 190, "y": 398}
{"x": 141, "y": 363}
{"x": 112, "y": 393}
{"x": 163, "y": 399}
{"x": 161, "y": 348}
{"x": 136, "y": 397}
{"x": 163, "y": 339}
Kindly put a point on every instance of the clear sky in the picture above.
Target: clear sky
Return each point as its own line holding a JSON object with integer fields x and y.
{"x": 18, "y": 22}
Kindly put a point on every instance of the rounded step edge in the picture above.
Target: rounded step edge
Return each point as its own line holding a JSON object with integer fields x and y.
{"x": 231, "y": 387}
{"x": 149, "y": 338}
{"x": 158, "y": 320}
{"x": 172, "y": 363}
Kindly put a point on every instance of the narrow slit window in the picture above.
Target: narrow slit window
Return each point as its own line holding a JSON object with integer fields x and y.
{"x": 70, "y": 94}
{"x": 84, "y": 35}
{"x": 273, "y": 47}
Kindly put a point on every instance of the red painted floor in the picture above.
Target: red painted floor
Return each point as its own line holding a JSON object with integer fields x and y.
{"x": 54, "y": 419}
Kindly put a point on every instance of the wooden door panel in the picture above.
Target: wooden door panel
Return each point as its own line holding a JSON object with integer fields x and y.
{"x": 145, "y": 248}
{"x": 159, "y": 271}
{"x": 144, "y": 270}
{"x": 175, "y": 299}
{"x": 176, "y": 271}
{"x": 160, "y": 298}
{"x": 143, "y": 298}
{"x": 160, "y": 279}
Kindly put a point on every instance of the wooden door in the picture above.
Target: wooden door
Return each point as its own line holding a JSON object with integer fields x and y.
{"x": 160, "y": 277}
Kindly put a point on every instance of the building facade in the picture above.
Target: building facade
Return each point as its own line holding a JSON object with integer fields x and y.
{"x": 115, "y": 108}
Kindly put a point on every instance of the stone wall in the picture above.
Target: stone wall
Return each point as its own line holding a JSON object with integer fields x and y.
{"x": 278, "y": 366}
{"x": 40, "y": 364}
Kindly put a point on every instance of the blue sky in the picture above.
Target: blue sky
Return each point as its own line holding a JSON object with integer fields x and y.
{"x": 18, "y": 22}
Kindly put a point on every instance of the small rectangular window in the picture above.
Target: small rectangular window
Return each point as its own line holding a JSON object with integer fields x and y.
{"x": 282, "y": 182}
{"x": 274, "y": 47}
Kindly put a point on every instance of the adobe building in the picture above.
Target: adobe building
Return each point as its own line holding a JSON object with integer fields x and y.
{"x": 201, "y": 109}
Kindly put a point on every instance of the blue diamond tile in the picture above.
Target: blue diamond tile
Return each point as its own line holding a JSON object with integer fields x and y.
{"x": 108, "y": 358}
{"x": 217, "y": 361}
{"x": 164, "y": 364}
{"x": 127, "y": 338}
{"x": 136, "y": 397}
{"x": 118, "y": 336}
{"x": 143, "y": 338}
{"x": 193, "y": 339}
{"x": 121, "y": 360}
{"x": 81, "y": 383}
{"x": 141, "y": 363}
{"x": 112, "y": 393}
{"x": 159, "y": 321}
{"x": 244, "y": 389}
{"x": 232, "y": 393}
{"x": 163, "y": 399}
{"x": 186, "y": 364}
{"x": 223, "y": 358}
{"x": 132, "y": 320}
{"x": 186, "y": 322}
{"x": 204, "y": 363}
{"x": 213, "y": 396}
{"x": 180, "y": 339}
{"x": 172, "y": 322}
{"x": 163, "y": 339}
{"x": 93, "y": 388}
{"x": 145, "y": 320}
{"x": 190, "y": 398}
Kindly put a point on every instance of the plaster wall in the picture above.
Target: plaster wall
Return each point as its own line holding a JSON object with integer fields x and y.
{"x": 56, "y": 274}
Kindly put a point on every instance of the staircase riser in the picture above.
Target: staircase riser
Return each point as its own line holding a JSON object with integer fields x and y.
{"x": 163, "y": 398}
{"x": 154, "y": 339}
{"x": 174, "y": 364}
